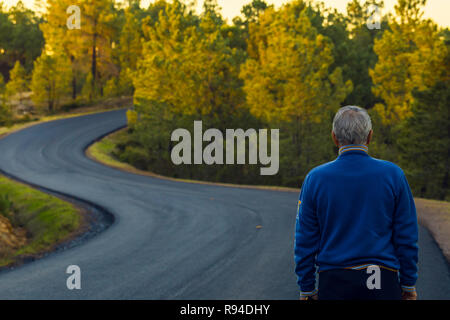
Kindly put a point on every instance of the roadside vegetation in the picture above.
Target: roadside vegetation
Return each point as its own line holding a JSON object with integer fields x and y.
{"x": 32, "y": 222}
{"x": 106, "y": 151}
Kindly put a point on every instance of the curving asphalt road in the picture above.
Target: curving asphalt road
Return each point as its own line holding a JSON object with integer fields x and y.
{"x": 170, "y": 240}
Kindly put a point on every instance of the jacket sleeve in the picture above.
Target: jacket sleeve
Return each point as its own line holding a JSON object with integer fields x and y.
{"x": 307, "y": 236}
{"x": 405, "y": 235}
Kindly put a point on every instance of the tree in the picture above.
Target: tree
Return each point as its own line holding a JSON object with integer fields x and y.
{"x": 6, "y": 27}
{"x": 2, "y": 89}
{"x": 410, "y": 56}
{"x": 17, "y": 81}
{"x": 20, "y": 38}
{"x": 289, "y": 82}
{"x": 5, "y": 114}
{"x": 189, "y": 67}
{"x": 253, "y": 10}
{"x": 88, "y": 48}
{"x": 425, "y": 143}
{"x": 51, "y": 79}
{"x": 97, "y": 34}
{"x": 188, "y": 71}
{"x": 60, "y": 38}
{"x": 129, "y": 49}
{"x": 357, "y": 55}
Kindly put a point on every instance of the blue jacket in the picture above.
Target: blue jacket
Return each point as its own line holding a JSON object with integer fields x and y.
{"x": 353, "y": 212}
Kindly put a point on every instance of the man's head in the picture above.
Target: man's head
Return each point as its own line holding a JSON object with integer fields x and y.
{"x": 352, "y": 125}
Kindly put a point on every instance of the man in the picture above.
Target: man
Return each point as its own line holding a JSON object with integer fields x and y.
{"x": 356, "y": 222}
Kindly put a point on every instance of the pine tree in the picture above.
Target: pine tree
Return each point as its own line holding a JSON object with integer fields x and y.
{"x": 88, "y": 48}
{"x": 425, "y": 143}
{"x": 189, "y": 67}
{"x": 17, "y": 83}
{"x": 59, "y": 37}
{"x": 97, "y": 34}
{"x": 5, "y": 114}
{"x": 410, "y": 56}
{"x": 130, "y": 48}
{"x": 51, "y": 80}
{"x": 289, "y": 83}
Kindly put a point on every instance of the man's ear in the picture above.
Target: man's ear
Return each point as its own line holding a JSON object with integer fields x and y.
{"x": 369, "y": 137}
{"x": 335, "y": 140}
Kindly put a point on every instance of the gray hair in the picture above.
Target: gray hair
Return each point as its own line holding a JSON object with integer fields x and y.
{"x": 352, "y": 125}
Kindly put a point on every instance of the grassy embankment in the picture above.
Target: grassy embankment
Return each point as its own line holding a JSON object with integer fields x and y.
{"x": 103, "y": 152}
{"x": 33, "y": 222}
{"x": 433, "y": 214}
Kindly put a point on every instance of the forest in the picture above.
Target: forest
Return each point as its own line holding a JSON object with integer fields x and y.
{"x": 288, "y": 68}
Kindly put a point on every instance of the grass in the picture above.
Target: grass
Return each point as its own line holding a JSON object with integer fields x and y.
{"x": 102, "y": 151}
{"x": 46, "y": 219}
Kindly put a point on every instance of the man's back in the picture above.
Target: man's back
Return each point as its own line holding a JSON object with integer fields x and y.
{"x": 355, "y": 198}
{"x": 354, "y": 212}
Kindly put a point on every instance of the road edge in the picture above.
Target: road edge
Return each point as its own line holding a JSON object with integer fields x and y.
{"x": 96, "y": 219}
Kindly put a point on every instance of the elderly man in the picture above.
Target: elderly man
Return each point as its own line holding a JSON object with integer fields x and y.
{"x": 356, "y": 222}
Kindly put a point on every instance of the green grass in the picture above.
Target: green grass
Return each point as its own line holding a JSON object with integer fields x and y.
{"x": 102, "y": 151}
{"x": 48, "y": 220}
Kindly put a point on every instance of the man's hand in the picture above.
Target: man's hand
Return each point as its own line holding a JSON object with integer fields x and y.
{"x": 314, "y": 297}
{"x": 409, "y": 295}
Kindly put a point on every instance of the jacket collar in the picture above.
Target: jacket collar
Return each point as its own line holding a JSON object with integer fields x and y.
{"x": 360, "y": 148}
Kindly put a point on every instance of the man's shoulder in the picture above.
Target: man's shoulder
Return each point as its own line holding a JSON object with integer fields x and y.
{"x": 382, "y": 166}
{"x": 387, "y": 166}
{"x": 321, "y": 169}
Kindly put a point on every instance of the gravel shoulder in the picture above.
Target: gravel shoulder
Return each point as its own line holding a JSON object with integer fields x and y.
{"x": 435, "y": 216}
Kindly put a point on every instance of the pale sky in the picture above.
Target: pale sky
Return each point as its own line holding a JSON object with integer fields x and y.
{"x": 438, "y": 10}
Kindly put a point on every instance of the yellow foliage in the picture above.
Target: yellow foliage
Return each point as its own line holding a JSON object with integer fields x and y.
{"x": 132, "y": 118}
{"x": 287, "y": 77}
{"x": 411, "y": 55}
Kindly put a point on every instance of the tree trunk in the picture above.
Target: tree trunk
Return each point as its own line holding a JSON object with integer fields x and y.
{"x": 94, "y": 59}
{"x": 74, "y": 80}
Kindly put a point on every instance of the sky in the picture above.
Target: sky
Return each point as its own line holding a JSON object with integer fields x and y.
{"x": 438, "y": 10}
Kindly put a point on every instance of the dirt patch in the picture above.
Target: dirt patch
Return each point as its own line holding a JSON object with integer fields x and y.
{"x": 435, "y": 216}
{"x": 10, "y": 238}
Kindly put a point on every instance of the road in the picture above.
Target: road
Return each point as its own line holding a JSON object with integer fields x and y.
{"x": 170, "y": 240}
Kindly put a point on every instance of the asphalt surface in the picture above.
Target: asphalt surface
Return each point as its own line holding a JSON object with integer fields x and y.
{"x": 170, "y": 240}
